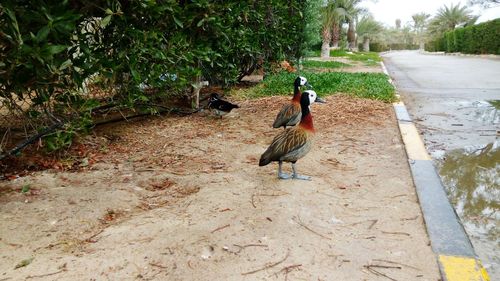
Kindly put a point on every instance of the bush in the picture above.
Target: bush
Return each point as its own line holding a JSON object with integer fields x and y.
{"x": 483, "y": 38}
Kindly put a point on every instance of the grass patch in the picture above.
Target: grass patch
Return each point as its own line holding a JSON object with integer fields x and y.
{"x": 368, "y": 58}
{"x": 365, "y": 85}
{"x": 495, "y": 103}
{"x": 323, "y": 64}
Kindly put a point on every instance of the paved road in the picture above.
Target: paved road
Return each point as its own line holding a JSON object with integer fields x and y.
{"x": 447, "y": 96}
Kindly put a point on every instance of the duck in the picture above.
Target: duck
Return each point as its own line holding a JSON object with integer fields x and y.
{"x": 290, "y": 113}
{"x": 293, "y": 143}
{"x": 219, "y": 106}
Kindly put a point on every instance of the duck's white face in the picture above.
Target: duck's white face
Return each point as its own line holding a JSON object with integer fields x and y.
{"x": 303, "y": 81}
{"x": 312, "y": 96}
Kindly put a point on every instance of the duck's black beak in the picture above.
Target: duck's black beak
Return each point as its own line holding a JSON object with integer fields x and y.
{"x": 320, "y": 100}
{"x": 308, "y": 86}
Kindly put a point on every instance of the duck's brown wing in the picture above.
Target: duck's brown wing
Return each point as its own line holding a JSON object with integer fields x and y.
{"x": 289, "y": 145}
{"x": 289, "y": 115}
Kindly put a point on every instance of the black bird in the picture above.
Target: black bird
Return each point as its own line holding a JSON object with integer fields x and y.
{"x": 220, "y": 107}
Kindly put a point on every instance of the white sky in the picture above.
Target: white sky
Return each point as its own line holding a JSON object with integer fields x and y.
{"x": 387, "y": 11}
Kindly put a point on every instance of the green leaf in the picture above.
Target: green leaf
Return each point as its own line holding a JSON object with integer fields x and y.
{"x": 15, "y": 25}
{"x": 55, "y": 49}
{"x": 108, "y": 11}
{"x": 42, "y": 34}
{"x": 65, "y": 64}
{"x": 178, "y": 22}
{"x": 24, "y": 263}
{"x": 25, "y": 188}
{"x": 136, "y": 75}
{"x": 105, "y": 21}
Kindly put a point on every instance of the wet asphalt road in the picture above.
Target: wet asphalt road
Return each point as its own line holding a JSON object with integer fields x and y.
{"x": 447, "y": 96}
{"x": 448, "y": 99}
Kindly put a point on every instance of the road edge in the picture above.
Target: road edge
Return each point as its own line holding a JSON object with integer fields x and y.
{"x": 450, "y": 243}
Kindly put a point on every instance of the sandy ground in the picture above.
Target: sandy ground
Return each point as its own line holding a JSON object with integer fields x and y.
{"x": 182, "y": 198}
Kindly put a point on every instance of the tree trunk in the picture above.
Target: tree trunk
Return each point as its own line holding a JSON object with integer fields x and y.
{"x": 366, "y": 44}
{"x": 351, "y": 36}
{"x": 335, "y": 35}
{"x": 325, "y": 49}
{"x": 325, "y": 46}
{"x": 421, "y": 45}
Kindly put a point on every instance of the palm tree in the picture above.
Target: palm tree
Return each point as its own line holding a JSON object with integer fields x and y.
{"x": 419, "y": 24}
{"x": 340, "y": 15}
{"x": 367, "y": 29}
{"x": 353, "y": 11}
{"x": 332, "y": 15}
{"x": 448, "y": 18}
{"x": 328, "y": 17}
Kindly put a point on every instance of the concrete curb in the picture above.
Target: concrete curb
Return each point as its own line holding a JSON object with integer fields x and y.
{"x": 455, "y": 254}
{"x": 486, "y": 56}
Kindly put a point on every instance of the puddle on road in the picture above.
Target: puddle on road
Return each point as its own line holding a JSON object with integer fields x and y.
{"x": 485, "y": 112}
{"x": 471, "y": 177}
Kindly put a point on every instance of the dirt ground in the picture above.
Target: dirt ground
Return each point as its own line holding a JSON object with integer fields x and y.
{"x": 182, "y": 198}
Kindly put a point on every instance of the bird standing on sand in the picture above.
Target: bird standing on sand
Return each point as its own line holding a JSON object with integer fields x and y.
{"x": 293, "y": 143}
{"x": 220, "y": 107}
{"x": 290, "y": 113}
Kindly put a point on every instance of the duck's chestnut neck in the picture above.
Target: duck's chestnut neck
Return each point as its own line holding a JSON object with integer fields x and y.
{"x": 296, "y": 93}
{"x": 306, "y": 121}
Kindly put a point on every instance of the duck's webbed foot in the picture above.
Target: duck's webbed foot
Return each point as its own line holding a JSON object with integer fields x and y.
{"x": 297, "y": 176}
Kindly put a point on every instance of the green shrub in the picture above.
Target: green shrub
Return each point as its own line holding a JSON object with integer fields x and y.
{"x": 483, "y": 38}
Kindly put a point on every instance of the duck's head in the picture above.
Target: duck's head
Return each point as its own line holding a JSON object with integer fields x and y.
{"x": 214, "y": 97}
{"x": 301, "y": 81}
{"x": 309, "y": 97}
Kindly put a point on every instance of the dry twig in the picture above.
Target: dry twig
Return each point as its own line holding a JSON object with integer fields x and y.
{"x": 91, "y": 238}
{"x": 158, "y": 265}
{"x": 220, "y": 227}
{"x": 252, "y": 200}
{"x": 393, "y": 262}
{"x": 241, "y": 248}
{"x": 299, "y": 221}
{"x": 45, "y": 275}
{"x": 287, "y": 269}
{"x": 376, "y": 272}
{"x": 396, "y": 232}
{"x": 268, "y": 265}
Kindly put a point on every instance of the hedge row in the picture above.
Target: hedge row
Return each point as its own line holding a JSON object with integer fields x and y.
{"x": 483, "y": 38}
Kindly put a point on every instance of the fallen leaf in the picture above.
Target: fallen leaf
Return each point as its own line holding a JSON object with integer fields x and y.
{"x": 24, "y": 263}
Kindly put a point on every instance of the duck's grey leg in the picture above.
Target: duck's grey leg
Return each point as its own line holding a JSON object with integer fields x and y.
{"x": 282, "y": 175}
{"x": 297, "y": 176}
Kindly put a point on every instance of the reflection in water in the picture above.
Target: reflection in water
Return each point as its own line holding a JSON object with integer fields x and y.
{"x": 487, "y": 111}
{"x": 472, "y": 181}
